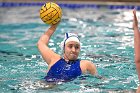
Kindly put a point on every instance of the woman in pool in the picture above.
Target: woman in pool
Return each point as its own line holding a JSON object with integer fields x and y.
{"x": 136, "y": 45}
{"x": 68, "y": 67}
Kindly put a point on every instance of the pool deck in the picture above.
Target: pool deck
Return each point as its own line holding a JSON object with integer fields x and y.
{"x": 101, "y": 2}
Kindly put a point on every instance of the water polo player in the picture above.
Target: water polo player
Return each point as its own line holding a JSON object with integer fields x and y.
{"x": 68, "y": 66}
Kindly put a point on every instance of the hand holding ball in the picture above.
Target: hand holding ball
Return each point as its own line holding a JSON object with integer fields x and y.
{"x": 50, "y": 13}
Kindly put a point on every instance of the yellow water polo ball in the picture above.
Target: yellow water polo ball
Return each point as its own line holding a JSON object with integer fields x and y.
{"x": 50, "y": 13}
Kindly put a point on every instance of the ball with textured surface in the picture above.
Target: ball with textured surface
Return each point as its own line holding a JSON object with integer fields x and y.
{"x": 50, "y": 13}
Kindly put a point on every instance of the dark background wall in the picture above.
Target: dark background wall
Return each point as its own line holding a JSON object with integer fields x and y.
{"x": 70, "y": 0}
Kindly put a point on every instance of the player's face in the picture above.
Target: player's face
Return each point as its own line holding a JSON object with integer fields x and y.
{"x": 71, "y": 50}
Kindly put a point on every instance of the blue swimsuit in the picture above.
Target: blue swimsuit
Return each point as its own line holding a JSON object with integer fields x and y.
{"x": 64, "y": 71}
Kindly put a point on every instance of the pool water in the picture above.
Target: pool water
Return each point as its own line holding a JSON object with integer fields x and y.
{"x": 107, "y": 41}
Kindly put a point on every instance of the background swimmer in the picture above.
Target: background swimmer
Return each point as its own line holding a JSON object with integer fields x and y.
{"x": 136, "y": 45}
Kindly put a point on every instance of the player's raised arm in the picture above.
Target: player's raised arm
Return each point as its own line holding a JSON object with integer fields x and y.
{"x": 136, "y": 42}
{"x": 42, "y": 44}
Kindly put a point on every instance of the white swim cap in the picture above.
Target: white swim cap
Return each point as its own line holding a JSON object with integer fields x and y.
{"x": 69, "y": 37}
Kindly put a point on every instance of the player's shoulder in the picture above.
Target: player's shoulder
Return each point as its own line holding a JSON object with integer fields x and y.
{"x": 86, "y": 62}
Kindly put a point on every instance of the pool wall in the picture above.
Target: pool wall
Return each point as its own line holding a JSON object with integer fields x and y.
{"x": 73, "y": 0}
{"x": 72, "y": 5}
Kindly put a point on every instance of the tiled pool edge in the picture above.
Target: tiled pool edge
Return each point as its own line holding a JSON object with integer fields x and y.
{"x": 70, "y": 5}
